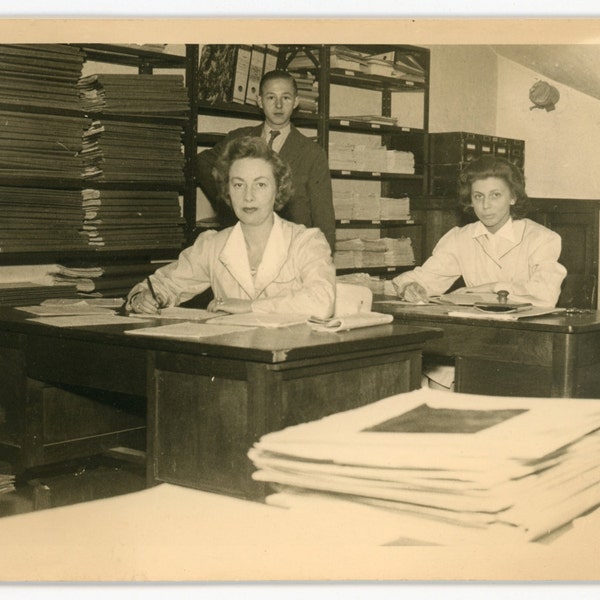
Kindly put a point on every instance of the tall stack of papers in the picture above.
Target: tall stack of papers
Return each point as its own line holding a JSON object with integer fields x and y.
{"x": 119, "y": 151}
{"x": 308, "y": 92}
{"x": 374, "y": 159}
{"x": 109, "y": 280}
{"x": 7, "y": 483}
{"x": 37, "y": 219}
{"x": 133, "y": 94}
{"x": 351, "y": 205}
{"x": 18, "y": 293}
{"x": 118, "y": 219}
{"x": 380, "y": 252}
{"x": 43, "y": 75}
{"x": 444, "y": 468}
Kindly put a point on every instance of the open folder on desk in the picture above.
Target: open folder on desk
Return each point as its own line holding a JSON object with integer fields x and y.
{"x": 527, "y": 313}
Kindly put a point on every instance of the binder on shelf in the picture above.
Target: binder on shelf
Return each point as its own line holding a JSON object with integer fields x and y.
{"x": 255, "y": 73}
{"x": 271, "y": 56}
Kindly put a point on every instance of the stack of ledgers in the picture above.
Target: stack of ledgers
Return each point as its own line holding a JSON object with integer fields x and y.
{"x": 381, "y": 252}
{"x": 349, "y": 205}
{"x": 107, "y": 280}
{"x": 122, "y": 219}
{"x": 373, "y": 159}
{"x": 130, "y": 151}
{"x": 22, "y": 293}
{"x": 38, "y": 219}
{"x": 43, "y": 75}
{"x": 308, "y": 92}
{"x": 442, "y": 468}
{"x": 133, "y": 94}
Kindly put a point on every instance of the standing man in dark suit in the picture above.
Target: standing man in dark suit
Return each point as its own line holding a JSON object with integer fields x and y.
{"x": 311, "y": 203}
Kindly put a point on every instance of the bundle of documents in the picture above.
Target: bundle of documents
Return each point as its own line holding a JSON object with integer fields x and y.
{"x": 363, "y": 252}
{"x": 40, "y": 146}
{"x": 37, "y": 219}
{"x": 7, "y": 483}
{"x": 444, "y": 468}
{"x": 43, "y": 75}
{"x": 119, "y": 151}
{"x": 132, "y": 219}
{"x": 133, "y": 94}
{"x": 105, "y": 280}
{"x": 308, "y": 92}
{"x": 17, "y": 293}
{"x": 374, "y": 159}
{"x": 351, "y": 205}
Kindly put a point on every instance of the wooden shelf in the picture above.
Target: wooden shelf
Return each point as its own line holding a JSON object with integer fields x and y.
{"x": 375, "y": 176}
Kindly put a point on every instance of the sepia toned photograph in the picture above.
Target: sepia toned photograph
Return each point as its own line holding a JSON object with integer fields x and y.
{"x": 299, "y": 300}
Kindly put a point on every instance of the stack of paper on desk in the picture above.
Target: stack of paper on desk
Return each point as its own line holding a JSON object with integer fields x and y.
{"x": 449, "y": 468}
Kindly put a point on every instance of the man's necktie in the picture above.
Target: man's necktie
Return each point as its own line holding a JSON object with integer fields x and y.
{"x": 272, "y": 135}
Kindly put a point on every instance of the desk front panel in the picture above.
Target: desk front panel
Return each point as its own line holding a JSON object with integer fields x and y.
{"x": 542, "y": 357}
{"x": 205, "y": 415}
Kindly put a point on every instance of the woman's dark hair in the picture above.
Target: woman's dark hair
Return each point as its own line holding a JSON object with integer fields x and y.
{"x": 252, "y": 147}
{"x": 493, "y": 166}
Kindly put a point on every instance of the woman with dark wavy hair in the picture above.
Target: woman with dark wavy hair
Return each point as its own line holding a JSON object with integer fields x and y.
{"x": 261, "y": 264}
{"x": 502, "y": 250}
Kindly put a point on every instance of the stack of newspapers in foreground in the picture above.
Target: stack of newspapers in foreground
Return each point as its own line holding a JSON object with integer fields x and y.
{"x": 441, "y": 468}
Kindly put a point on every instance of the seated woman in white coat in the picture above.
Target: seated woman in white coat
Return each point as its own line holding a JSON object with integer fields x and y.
{"x": 501, "y": 251}
{"x": 263, "y": 263}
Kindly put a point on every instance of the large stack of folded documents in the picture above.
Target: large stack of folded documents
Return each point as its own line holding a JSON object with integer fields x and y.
{"x": 380, "y": 252}
{"x": 120, "y": 152}
{"x": 443, "y": 468}
{"x": 7, "y": 483}
{"x": 118, "y": 219}
{"x": 19, "y": 293}
{"x": 373, "y": 159}
{"x": 43, "y": 75}
{"x": 133, "y": 94}
{"x": 108, "y": 280}
{"x": 350, "y": 205}
{"x": 308, "y": 92}
{"x": 38, "y": 219}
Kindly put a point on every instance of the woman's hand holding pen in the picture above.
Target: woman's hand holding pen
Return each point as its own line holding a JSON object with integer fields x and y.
{"x": 145, "y": 302}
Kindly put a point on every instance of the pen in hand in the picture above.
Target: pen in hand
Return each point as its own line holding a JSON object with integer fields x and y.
{"x": 159, "y": 303}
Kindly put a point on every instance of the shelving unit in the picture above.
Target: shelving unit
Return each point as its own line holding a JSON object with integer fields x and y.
{"x": 145, "y": 61}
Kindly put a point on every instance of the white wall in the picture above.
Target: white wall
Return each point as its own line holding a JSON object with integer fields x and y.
{"x": 463, "y": 89}
{"x": 561, "y": 146}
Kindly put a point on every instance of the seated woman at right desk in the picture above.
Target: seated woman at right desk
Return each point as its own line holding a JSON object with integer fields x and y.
{"x": 502, "y": 250}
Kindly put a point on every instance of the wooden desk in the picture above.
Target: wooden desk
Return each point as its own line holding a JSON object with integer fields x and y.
{"x": 549, "y": 356}
{"x": 77, "y": 391}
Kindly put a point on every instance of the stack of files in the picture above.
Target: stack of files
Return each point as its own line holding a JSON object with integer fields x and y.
{"x": 40, "y": 146}
{"x": 367, "y": 208}
{"x": 395, "y": 65}
{"x": 37, "y": 220}
{"x": 349, "y": 233}
{"x": 395, "y": 209}
{"x": 371, "y": 119}
{"x": 133, "y": 94}
{"x": 399, "y": 161}
{"x": 377, "y": 159}
{"x": 110, "y": 280}
{"x": 7, "y": 483}
{"x": 444, "y": 468}
{"x": 308, "y": 92}
{"x": 20, "y": 293}
{"x": 343, "y": 204}
{"x": 342, "y": 57}
{"x": 117, "y": 151}
{"x": 120, "y": 219}
{"x": 43, "y": 75}
{"x": 380, "y": 252}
